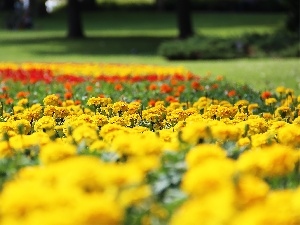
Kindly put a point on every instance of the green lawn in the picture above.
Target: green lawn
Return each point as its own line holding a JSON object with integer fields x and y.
{"x": 133, "y": 37}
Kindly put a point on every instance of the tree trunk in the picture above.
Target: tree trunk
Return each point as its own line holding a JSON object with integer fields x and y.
{"x": 293, "y": 15}
{"x": 89, "y": 5}
{"x": 41, "y": 9}
{"x": 184, "y": 19}
{"x": 160, "y": 5}
{"x": 75, "y": 29}
{"x": 7, "y": 5}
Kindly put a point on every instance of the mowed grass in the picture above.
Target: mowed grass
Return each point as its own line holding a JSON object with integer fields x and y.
{"x": 133, "y": 37}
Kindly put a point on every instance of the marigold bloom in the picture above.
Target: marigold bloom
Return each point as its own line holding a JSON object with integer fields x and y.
{"x": 85, "y": 133}
{"x": 22, "y": 94}
{"x": 89, "y": 88}
{"x": 165, "y": 88}
{"x": 9, "y": 101}
{"x": 118, "y": 87}
{"x": 202, "y": 152}
{"x": 68, "y": 95}
{"x": 231, "y": 93}
{"x": 280, "y": 89}
{"x": 250, "y": 190}
{"x": 51, "y": 100}
{"x": 56, "y": 151}
{"x": 266, "y": 94}
{"x": 289, "y": 135}
{"x": 44, "y": 124}
{"x": 270, "y": 101}
{"x": 270, "y": 161}
{"x": 212, "y": 176}
{"x": 152, "y": 87}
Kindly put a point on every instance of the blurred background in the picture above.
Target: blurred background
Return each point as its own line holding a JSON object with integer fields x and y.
{"x": 235, "y": 38}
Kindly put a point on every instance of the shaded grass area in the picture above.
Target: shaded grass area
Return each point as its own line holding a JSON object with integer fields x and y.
{"x": 133, "y": 37}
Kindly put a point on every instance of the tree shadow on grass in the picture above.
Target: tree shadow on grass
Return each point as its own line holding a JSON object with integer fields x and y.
{"x": 106, "y": 45}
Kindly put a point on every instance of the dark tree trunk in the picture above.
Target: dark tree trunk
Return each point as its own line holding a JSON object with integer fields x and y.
{"x": 160, "y": 5}
{"x": 184, "y": 19}
{"x": 41, "y": 9}
{"x": 293, "y": 15}
{"x": 7, "y": 5}
{"x": 74, "y": 20}
{"x": 89, "y": 5}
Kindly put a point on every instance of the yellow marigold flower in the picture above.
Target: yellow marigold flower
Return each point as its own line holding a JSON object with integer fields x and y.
{"x": 297, "y": 121}
{"x": 155, "y": 114}
{"x": 289, "y": 91}
{"x": 100, "y": 208}
{"x": 241, "y": 116}
{"x": 98, "y": 146}
{"x": 252, "y": 107}
{"x": 276, "y": 209}
{"x": 211, "y": 111}
{"x": 202, "y": 152}
{"x": 137, "y": 144}
{"x": 18, "y": 109}
{"x": 117, "y": 120}
{"x": 33, "y": 113}
{"x": 134, "y": 195}
{"x": 110, "y": 130}
{"x": 44, "y": 124}
{"x": 49, "y": 110}
{"x": 22, "y": 142}
{"x": 99, "y": 101}
{"x": 56, "y": 151}
{"x": 210, "y": 176}
{"x": 86, "y": 133}
{"x": 167, "y": 135}
{"x": 61, "y": 112}
{"x": 180, "y": 114}
{"x": 145, "y": 163}
{"x": 298, "y": 98}
{"x": 214, "y": 209}
{"x": 131, "y": 120}
{"x": 134, "y": 107}
{"x": 99, "y": 120}
{"x": 267, "y": 116}
{"x": 284, "y": 112}
{"x": 255, "y": 126}
{"x": 270, "y": 101}
{"x": 22, "y": 102}
{"x": 225, "y": 103}
{"x": 260, "y": 140}
{"x": 244, "y": 142}
{"x": 51, "y": 100}
{"x": 251, "y": 189}
{"x": 21, "y": 126}
{"x": 119, "y": 107}
{"x": 194, "y": 133}
{"x": 277, "y": 125}
{"x": 5, "y": 127}
{"x": 223, "y": 132}
{"x": 280, "y": 89}
{"x": 270, "y": 161}
{"x": 5, "y": 149}
{"x": 68, "y": 103}
{"x": 289, "y": 135}
{"x": 241, "y": 103}
{"x": 226, "y": 112}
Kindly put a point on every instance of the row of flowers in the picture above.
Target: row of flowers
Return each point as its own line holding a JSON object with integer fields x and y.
{"x": 119, "y": 159}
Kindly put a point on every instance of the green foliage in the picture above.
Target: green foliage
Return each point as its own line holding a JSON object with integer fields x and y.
{"x": 200, "y": 48}
{"x": 279, "y": 44}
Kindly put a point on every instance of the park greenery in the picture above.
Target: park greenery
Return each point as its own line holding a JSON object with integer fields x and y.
{"x": 134, "y": 119}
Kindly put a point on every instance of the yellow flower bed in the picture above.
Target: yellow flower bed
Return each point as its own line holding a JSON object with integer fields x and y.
{"x": 94, "y": 162}
{"x": 96, "y": 69}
